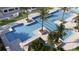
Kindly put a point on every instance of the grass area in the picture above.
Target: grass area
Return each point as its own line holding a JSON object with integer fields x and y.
{"x": 7, "y": 21}
{"x": 76, "y": 49}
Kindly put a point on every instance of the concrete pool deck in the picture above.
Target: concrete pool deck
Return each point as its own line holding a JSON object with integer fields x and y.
{"x": 70, "y": 25}
{"x": 72, "y": 41}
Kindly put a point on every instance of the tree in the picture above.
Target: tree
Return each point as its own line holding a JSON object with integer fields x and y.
{"x": 53, "y": 40}
{"x": 36, "y": 45}
{"x": 40, "y": 45}
{"x": 60, "y": 30}
{"x": 43, "y": 13}
{"x": 25, "y": 10}
{"x": 53, "y": 37}
{"x": 64, "y": 10}
{"x": 77, "y": 27}
{"x": 77, "y": 22}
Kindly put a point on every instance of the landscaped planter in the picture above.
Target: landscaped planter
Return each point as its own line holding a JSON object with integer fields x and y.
{"x": 43, "y": 31}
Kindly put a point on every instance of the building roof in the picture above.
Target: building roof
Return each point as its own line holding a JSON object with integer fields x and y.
{"x": 1, "y": 8}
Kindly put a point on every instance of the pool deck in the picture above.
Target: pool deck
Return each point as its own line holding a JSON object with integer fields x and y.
{"x": 70, "y": 22}
{"x": 72, "y": 41}
{"x": 70, "y": 25}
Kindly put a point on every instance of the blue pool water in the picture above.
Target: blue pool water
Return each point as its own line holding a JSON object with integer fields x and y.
{"x": 23, "y": 32}
{"x": 68, "y": 33}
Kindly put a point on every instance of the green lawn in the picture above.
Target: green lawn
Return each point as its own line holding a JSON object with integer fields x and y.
{"x": 6, "y": 21}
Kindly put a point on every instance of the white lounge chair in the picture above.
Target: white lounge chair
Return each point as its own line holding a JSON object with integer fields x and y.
{"x": 10, "y": 29}
{"x": 28, "y": 23}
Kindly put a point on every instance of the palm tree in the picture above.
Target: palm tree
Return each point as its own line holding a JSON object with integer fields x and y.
{"x": 60, "y": 30}
{"x": 77, "y": 27}
{"x": 77, "y": 21}
{"x": 43, "y": 13}
{"x": 64, "y": 10}
{"x": 37, "y": 45}
{"x": 77, "y": 18}
{"x": 27, "y": 12}
{"x": 53, "y": 37}
{"x": 40, "y": 45}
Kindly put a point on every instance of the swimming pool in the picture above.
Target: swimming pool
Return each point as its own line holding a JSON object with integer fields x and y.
{"x": 23, "y": 32}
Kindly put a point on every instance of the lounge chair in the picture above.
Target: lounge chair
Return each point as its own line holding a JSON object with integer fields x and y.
{"x": 10, "y": 29}
{"x": 29, "y": 23}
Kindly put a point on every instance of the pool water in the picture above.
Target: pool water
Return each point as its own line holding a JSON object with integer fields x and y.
{"x": 68, "y": 33}
{"x": 23, "y": 32}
